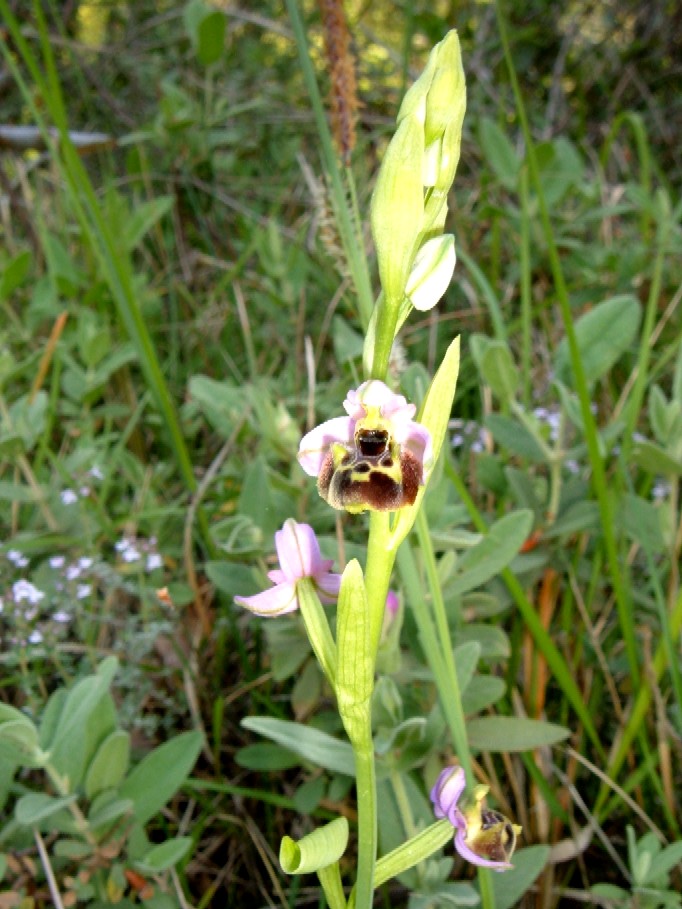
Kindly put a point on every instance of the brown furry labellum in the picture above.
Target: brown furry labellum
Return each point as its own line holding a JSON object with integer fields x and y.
{"x": 496, "y": 840}
{"x": 375, "y": 474}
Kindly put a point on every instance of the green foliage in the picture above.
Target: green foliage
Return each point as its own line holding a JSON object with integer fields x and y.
{"x": 93, "y": 803}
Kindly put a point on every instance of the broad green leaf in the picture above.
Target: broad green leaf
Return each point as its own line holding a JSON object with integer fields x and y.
{"x": 106, "y": 808}
{"x": 515, "y": 437}
{"x": 14, "y": 273}
{"x": 492, "y": 640}
{"x": 654, "y": 459}
{"x": 641, "y": 521}
{"x": 317, "y": 850}
{"x": 35, "y": 807}
{"x": 466, "y": 659}
{"x": 160, "y": 774}
{"x": 110, "y": 763}
{"x": 266, "y": 757}
{"x": 603, "y": 335}
{"x": 19, "y": 737}
{"x": 232, "y": 579}
{"x": 221, "y": 403}
{"x": 664, "y": 862}
{"x": 206, "y": 28}
{"x": 496, "y": 366}
{"x": 309, "y": 795}
{"x": 311, "y": 744}
{"x": 68, "y": 747}
{"x": 578, "y": 518}
{"x": 483, "y": 691}
{"x": 493, "y": 553}
{"x": 165, "y": 855}
{"x": 510, "y": 886}
{"x": 499, "y": 152}
{"x": 510, "y": 733}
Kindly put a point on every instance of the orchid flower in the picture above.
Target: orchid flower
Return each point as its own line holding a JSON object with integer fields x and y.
{"x": 299, "y": 557}
{"x": 482, "y": 836}
{"x": 375, "y": 457}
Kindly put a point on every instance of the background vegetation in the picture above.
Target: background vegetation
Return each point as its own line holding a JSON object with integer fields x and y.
{"x": 177, "y": 311}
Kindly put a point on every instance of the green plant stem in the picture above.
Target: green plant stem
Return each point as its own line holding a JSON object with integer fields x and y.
{"x": 330, "y": 878}
{"x": 387, "y": 320}
{"x": 380, "y": 559}
{"x": 449, "y": 690}
{"x": 526, "y": 297}
{"x": 317, "y": 628}
{"x": 366, "y": 792}
{"x": 599, "y": 482}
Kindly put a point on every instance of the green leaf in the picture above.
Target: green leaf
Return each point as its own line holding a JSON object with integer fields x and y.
{"x": 160, "y": 774}
{"x": 510, "y": 733}
{"x": 466, "y": 659}
{"x": 510, "y": 886}
{"x": 144, "y": 217}
{"x": 206, "y": 29}
{"x": 483, "y": 691}
{"x": 499, "y": 153}
{"x": 515, "y": 437}
{"x": 317, "y": 850}
{"x": 106, "y": 808}
{"x": 165, "y": 855}
{"x": 655, "y": 460}
{"x": 496, "y": 366}
{"x": 664, "y": 862}
{"x": 493, "y": 553}
{"x": 14, "y": 273}
{"x": 434, "y": 415}
{"x": 110, "y": 763}
{"x": 641, "y": 521}
{"x": 266, "y": 757}
{"x": 35, "y": 807}
{"x": 69, "y": 745}
{"x": 19, "y": 738}
{"x": 311, "y": 744}
{"x": 355, "y": 669}
{"x": 221, "y": 403}
{"x": 603, "y": 335}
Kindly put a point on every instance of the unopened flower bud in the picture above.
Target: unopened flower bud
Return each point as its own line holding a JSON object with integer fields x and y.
{"x": 432, "y": 272}
{"x": 446, "y": 98}
{"x": 398, "y": 208}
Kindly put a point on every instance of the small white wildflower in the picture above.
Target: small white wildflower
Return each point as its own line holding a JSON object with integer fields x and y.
{"x": 96, "y": 473}
{"x": 72, "y": 572}
{"x": 83, "y": 591}
{"x": 121, "y": 545}
{"x": 17, "y": 558}
{"x": 154, "y": 561}
{"x": 85, "y": 562}
{"x": 68, "y": 497}
{"x": 131, "y": 554}
{"x": 572, "y": 466}
{"x": 61, "y": 616}
{"x": 57, "y": 561}
{"x": 84, "y": 491}
{"x": 35, "y": 637}
{"x": 660, "y": 490}
{"x": 25, "y": 590}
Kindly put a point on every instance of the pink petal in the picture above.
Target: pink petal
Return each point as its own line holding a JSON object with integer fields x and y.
{"x": 315, "y": 444}
{"x": 298, "y": 551}
{"x": 277, "y": 601}
{"x": 328, "y": 586}
{"x": 417, "y": 439}
{"x": 471, "y": 856}
{"x": 447, "y": 792}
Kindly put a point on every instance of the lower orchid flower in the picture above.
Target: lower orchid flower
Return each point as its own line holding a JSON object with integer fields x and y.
{"x": 374, "y": 458}
{"x": 299, "y": 558}
{"x": 482, "y": 836}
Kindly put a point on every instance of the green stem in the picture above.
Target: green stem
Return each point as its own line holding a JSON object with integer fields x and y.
{"x": 380, "y": 559}
{"x": 330, "y": 878}
{"x": 366, "y": 791}
{"x": 317, "y": 628}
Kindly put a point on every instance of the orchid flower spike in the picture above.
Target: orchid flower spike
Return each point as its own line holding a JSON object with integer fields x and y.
{"x": 299, "y": 557}
{"x": 374, "y": 458}
{"x": 482, "y": 836}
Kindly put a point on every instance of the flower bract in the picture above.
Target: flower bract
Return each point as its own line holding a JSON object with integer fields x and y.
{"x": 299, "y": 557}
{"x": 375, "y": 457}
{"x": 482, "y": 836}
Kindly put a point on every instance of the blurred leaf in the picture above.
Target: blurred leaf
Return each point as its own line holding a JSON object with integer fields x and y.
{"x": 466, "y": 659}
{"x": 266, "y": 757}
{"x": 206, "y": 29}
{"x": 35, "y": 807}
{"x": 312, "y": 745}
{"x": 145, "y": 215}
{"x": 515, "y": 437}
{"x": 18, "y": 737}
{"x": 493, "y": 553}
{"x": 221, "y": 403}
{"x": 110, "y": 763}
{"x": 603, "y": 334}
{"x": 309, "y": 795}
{"x": 160, "y": 774}
{"x": 510, "y": 886}
{"x": 655, "y": 460}
{"x": 499, "y": 152}
{"x": 14, "y": 273}
{"x": 165, "y": 855}
{"x": 641, "y": 521}
{"x": 496, "y": 366}
{"x": 511, "y": 733}
{"x": 483, "y": 691}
